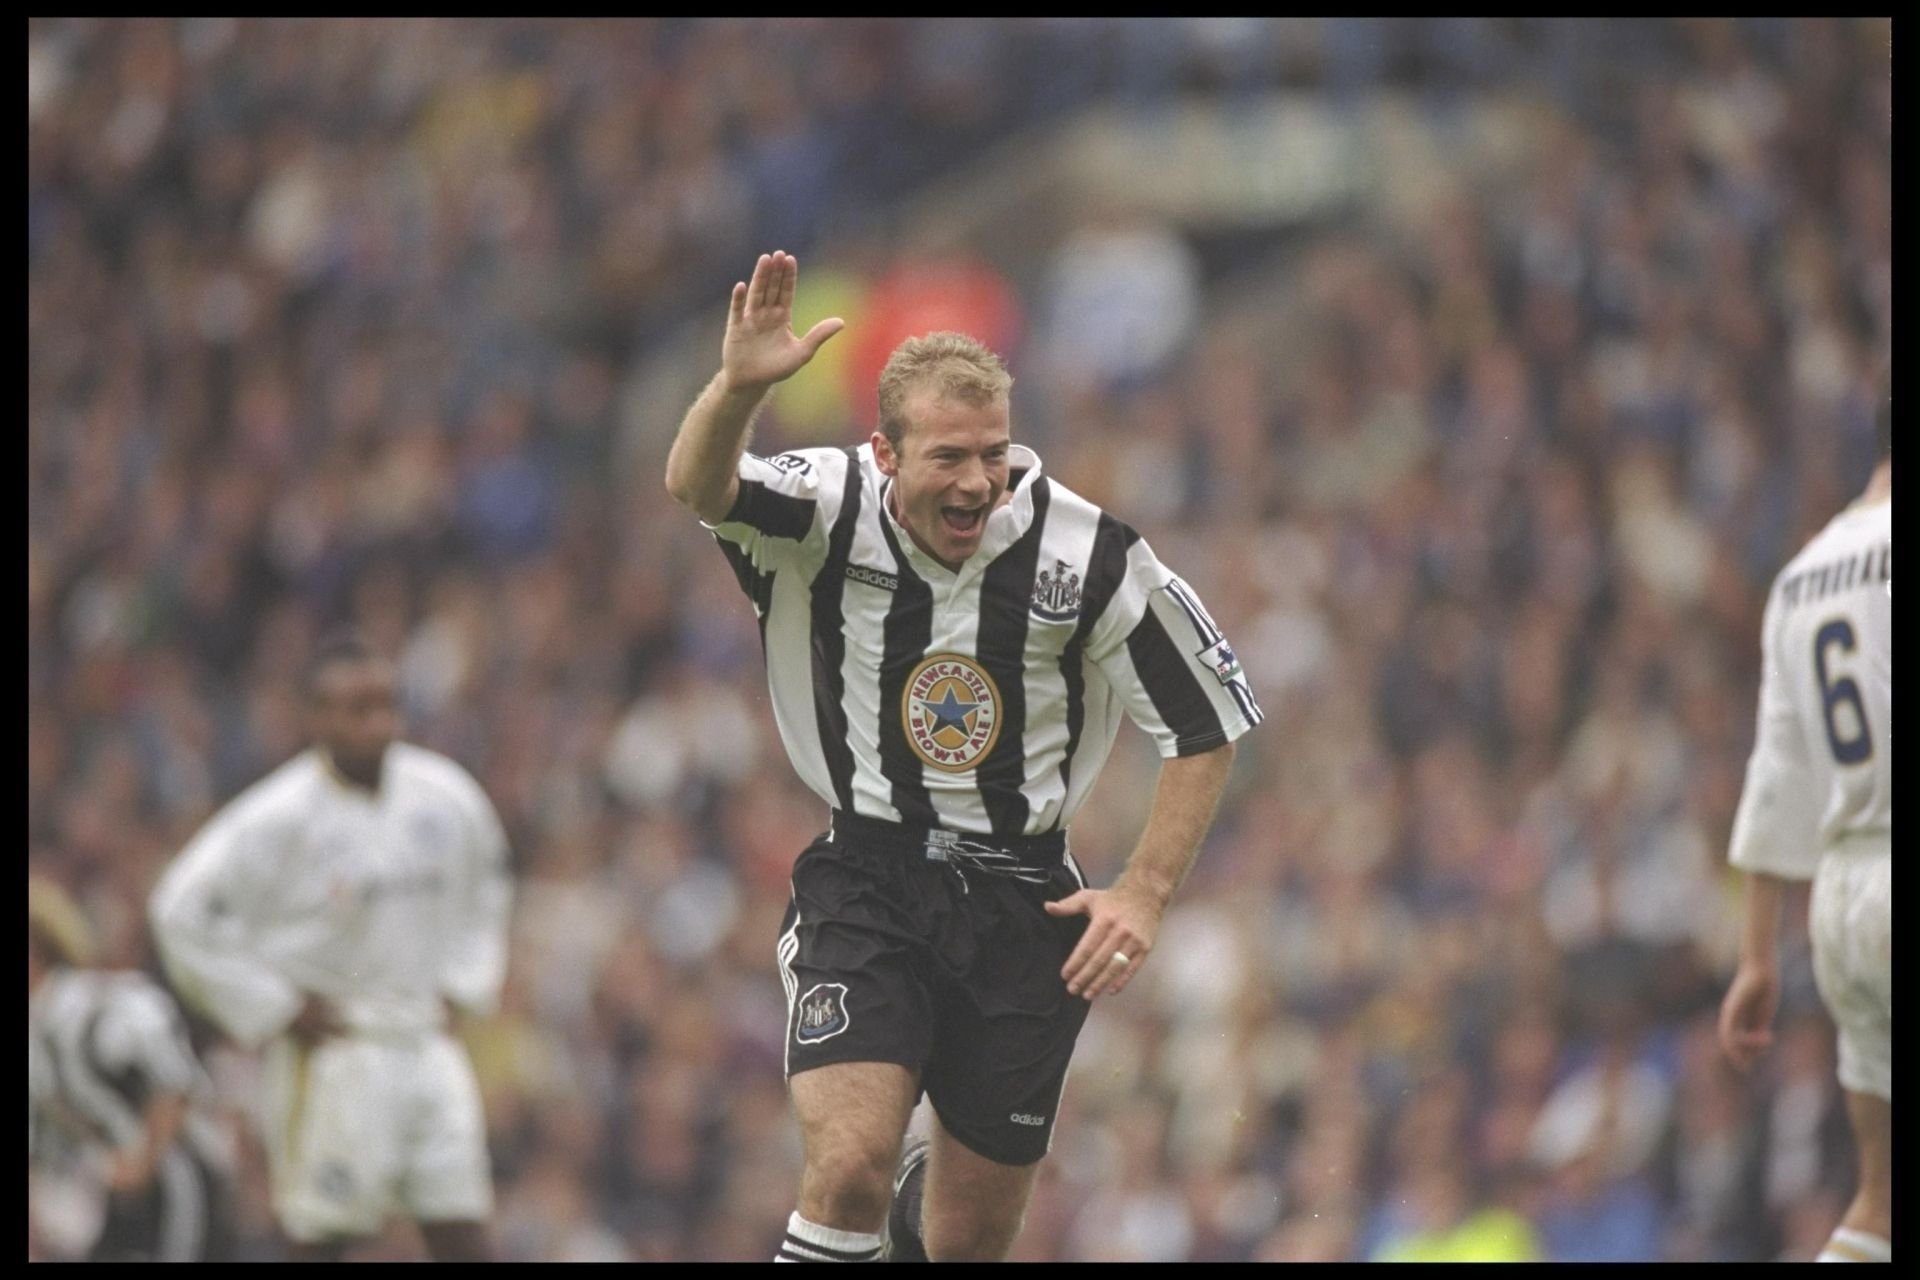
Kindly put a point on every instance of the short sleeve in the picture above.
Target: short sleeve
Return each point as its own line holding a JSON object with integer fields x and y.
{"x": 1173, "y": 668}
{"x": 1776, "y": 828}
{"x": 781, "y": 516}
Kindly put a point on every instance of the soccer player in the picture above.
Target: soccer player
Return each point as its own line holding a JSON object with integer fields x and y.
{"x": 335, "y": 910}
{"x": 951, "y": 637}
{"x": 109, "y": 1066}
{"x": 1818, "y": 802}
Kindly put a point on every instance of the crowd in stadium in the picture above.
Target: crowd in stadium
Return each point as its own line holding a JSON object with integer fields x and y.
{"x": 331, "y": 323}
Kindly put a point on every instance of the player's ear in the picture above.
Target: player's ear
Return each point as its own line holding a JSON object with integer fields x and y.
{"x": 883, "y": 455}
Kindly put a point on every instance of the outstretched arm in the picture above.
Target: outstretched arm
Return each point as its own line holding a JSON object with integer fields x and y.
{"x": 760, "y": 350}
{"x": 1125, "y": 919}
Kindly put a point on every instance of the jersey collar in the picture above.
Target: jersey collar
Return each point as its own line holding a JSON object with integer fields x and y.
{"x": 1006, "y": 524}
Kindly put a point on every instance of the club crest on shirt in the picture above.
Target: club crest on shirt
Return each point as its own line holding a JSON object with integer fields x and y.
{"x": 822, "y": 1013}
{"x": 950, "y": 709}
{"x": 1056, "y": 595}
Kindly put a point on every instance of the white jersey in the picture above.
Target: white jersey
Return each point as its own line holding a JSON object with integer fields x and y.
{"x": 1822, "y": 766}
{"x": 383, "y": 903}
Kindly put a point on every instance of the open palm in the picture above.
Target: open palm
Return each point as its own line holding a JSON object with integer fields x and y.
{"x": 761, "y": 348}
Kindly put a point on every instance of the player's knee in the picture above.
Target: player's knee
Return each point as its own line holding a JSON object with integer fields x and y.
{"x": 856, "y": 1183}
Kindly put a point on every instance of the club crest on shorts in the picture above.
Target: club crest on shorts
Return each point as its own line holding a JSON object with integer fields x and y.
{"x": 1056, "y": 595}
{"x": 822, "y": 1014}
{"x": 950, "y": 709}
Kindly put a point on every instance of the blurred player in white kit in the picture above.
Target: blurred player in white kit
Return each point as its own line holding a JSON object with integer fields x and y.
{"x": 336, "y": 911}
{"x": 1818, "y": 803}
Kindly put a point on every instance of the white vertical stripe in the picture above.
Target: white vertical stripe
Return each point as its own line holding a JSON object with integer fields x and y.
{"x": 788, "y": 948}
{"x": 1071, "y": 528}
{"x": 865, "y": 607}
{"x": 956, "y": 629}
{"x": 790, "y": 671}
{"x": 1098, "y": 727}
{"x": 183, "y": 1209}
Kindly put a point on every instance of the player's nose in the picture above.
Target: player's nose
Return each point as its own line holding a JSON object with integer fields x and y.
{"x": 973, "y": 482}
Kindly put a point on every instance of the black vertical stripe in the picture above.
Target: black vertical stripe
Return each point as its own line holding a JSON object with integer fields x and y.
{"x": 757, "y": 585}
{"x": 830, "y": 642}
{"x": 908, "y": 635}
{"x": 1106, "y": 570}
{"x": 1006, "y": 592}
{"x": 1171, "y": 685}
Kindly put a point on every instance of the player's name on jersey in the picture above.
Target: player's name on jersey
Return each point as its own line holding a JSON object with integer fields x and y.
{"x": 1818, "y": 582}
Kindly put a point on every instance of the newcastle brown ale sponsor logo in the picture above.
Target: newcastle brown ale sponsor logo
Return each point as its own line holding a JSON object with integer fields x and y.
{"x": 951, "y": 711}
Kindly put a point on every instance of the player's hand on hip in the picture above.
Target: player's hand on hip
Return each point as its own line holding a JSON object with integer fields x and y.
{"x": 1121, "y": 926}
{"x": 1746, "y": 1015}
{"x": 315, "y": 1022}
{"x": 760, "y": 348}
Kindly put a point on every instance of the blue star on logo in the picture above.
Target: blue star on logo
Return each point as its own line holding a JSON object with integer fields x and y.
{"x": 949, "y": 712}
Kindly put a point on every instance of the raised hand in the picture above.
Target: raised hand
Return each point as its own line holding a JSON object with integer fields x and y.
{"x": 760, "y": 348}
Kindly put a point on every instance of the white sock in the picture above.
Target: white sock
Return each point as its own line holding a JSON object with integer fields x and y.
{"x": 1848, "y": 1245}
{"x": 811, "y": 1242}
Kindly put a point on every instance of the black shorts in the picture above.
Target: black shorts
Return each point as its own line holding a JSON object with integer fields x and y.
{"x": 949, "y": 969}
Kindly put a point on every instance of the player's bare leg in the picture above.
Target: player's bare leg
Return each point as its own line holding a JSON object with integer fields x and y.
{"x": 1869, "y": 1222}
{"x": 458, "y": 1241}
{"x": 974, "y": 1206}
{"x": 853, "y": 1116}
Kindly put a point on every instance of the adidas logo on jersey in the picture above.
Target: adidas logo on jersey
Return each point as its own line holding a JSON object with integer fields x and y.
{"x": 873, "y": 577}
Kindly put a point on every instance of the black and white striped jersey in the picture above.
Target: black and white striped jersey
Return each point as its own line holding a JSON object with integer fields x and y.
{"x": 99, "y": 1046}
{"x": 983, "y": 700}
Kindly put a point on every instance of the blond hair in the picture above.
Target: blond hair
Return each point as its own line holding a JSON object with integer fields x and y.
{"x": 57, "y": 921}
{"x": 952, "y": 363}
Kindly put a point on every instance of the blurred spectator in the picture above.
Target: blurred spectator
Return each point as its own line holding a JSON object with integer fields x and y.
{"x": 1123, "y": 295}
{"x": 1441, "y": 1224}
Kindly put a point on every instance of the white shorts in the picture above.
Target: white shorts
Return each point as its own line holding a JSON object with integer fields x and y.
{"x": 1852, "y": 925}
{"x": 359, "y": 1129}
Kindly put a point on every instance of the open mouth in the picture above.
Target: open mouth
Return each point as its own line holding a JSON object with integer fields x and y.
{"x": 963, "y": 522}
